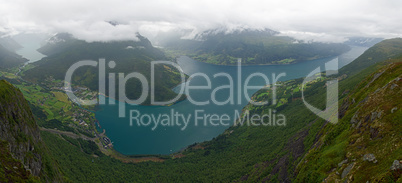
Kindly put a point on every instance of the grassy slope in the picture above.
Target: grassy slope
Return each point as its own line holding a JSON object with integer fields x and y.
{"x": 361, "y": 131}
{"x": 388, "y": 49}
{"x": 320, "y": 165}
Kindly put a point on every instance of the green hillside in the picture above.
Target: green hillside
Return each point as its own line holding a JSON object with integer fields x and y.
{"x": 384, "y": 50}
{"x": 367, "y": 138}
{"x": 130, "y": 56}
{"x": 9, "y": 59}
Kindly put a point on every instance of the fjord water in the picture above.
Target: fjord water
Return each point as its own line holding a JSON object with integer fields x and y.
{"x": 141, "y": 139}
{"x": 30, "y": 43}
{"x": 29, "y": 52}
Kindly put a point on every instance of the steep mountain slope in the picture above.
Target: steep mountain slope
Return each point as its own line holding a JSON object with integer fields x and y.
{"x": 253, "y": 46}
{"x": 326, "y": 144}
{"x": 130, "y": 56}
{"x": 367, "y": 138}
{"x": 10, "y": 44}
{"x": 23, "y": 152}
{"x": 387, "y": 49}
{"x": 9, "y": 59}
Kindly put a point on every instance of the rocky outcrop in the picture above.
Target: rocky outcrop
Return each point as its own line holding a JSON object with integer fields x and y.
{"x": 347, "y": 170}
{"x": 18, "y": 128}
{"x": 370, "y": 158}
{"x": 396, "y": 165}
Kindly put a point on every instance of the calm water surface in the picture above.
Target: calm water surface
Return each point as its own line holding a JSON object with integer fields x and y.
{"x": 167, "y": 139}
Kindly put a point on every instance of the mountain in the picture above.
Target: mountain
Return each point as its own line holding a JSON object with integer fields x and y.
{"x": 9, "y": 59}
{"x": 63, "y": 51}
{"x": 363, "y": 41}
{"x": 368, "y": 136}
{"x": 388, "y": 49}
{"x": 266, "y": 46}
{"x": 305, "y": 149}
{"x": 10, "y": 44}
{"x": 23, "y": 154}
{"x": 368, "y": 127}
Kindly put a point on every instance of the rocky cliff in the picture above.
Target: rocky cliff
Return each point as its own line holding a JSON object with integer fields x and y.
{"x": 20, "y": 136}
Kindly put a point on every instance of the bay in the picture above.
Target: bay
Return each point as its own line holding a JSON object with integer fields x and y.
{"x": 151, "y": 139}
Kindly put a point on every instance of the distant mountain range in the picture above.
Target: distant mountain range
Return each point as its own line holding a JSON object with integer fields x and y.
{"x": 363, "y": 41}
{"x": 223, "y": 47}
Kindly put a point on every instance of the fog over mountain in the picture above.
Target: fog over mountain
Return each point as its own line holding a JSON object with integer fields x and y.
{"x": 94, "y": 20}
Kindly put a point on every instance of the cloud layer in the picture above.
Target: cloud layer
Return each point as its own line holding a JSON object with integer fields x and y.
{"x": 329, "y": 21}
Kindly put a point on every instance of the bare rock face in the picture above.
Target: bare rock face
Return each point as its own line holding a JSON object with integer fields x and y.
{"x": 370, "y": 158}
{"x": 347, "y": 170}
{"x": 18, "y": 128}
{"x": 342, "y": 162}
{"x": 396, "y": 165}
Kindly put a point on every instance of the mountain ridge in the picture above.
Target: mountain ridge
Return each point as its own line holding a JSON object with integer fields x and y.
{"x": 9, "y": 59}
{"x": 255, "y": 47}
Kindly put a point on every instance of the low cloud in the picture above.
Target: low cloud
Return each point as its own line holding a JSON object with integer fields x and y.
{"x": 328, "y": 21}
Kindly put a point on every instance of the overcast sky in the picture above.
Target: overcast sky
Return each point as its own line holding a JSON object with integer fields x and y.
{"x": 322, "y": 20}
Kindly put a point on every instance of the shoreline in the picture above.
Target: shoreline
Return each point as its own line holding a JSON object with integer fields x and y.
{"x": 109, "y": 152}
{"x": 351, "y": 46}
{"x": 295, "y": 62}
{"x": 184, "y": 148}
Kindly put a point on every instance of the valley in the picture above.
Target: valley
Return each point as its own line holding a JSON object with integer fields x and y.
{"x": 92, "y": 144}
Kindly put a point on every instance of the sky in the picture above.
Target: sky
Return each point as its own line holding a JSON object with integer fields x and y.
{"x": 312, "y": 20}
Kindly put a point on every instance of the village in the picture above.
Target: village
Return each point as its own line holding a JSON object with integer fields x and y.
{"x": 76, "y": 118}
